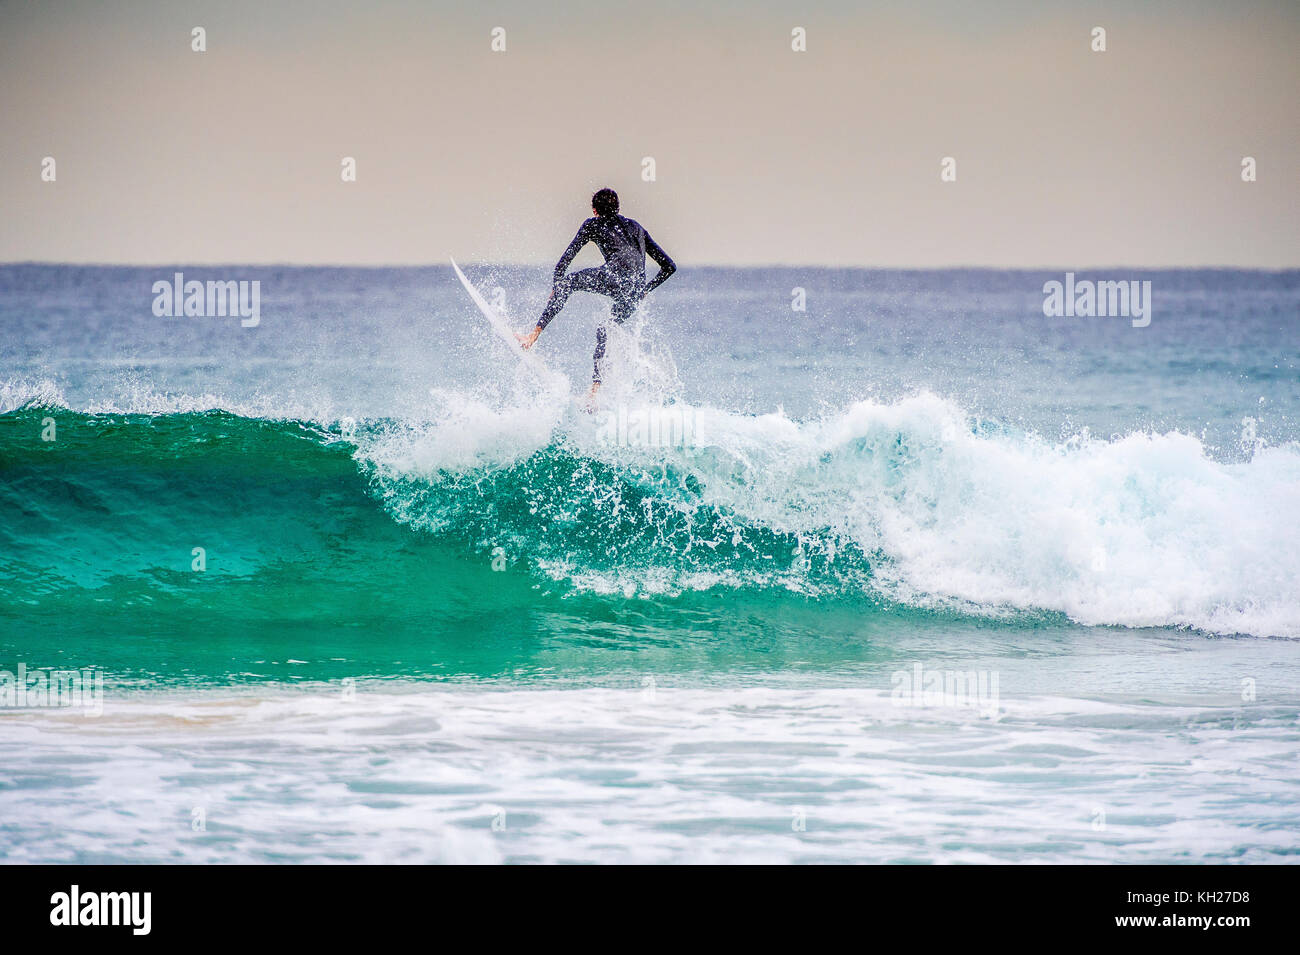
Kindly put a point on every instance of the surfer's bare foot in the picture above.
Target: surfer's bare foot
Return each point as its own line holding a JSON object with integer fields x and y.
{"x": 590, "y": 404}
{"x": 526, "y": 341}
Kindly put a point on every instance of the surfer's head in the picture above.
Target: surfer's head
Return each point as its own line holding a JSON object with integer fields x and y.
{"x": 605, "y": 202}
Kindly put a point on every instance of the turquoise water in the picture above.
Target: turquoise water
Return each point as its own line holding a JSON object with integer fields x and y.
{"x": 439, "y": 613}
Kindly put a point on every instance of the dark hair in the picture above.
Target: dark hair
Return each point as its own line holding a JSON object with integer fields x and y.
{"x": 605, "y": 202}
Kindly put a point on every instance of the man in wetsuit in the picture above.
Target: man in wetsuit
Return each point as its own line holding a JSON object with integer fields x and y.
{"x": 625, "y": 245}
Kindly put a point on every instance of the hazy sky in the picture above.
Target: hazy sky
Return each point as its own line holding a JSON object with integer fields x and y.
{"x": 1065, "y": 157}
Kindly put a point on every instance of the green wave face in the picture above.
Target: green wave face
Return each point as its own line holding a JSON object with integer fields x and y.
{"x": 315, "y": 566}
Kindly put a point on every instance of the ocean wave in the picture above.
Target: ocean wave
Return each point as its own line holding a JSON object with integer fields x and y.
{"x": 911, "y": 502}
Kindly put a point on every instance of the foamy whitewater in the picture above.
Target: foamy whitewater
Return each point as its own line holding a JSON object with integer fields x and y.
{"x": 918, "y": 574}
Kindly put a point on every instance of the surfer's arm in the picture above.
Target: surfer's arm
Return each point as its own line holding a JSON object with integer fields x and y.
{"x": 528, "y": 339}
{"x": 579, "y": 240}
{"x": 582, "y": 238}
{"x": 666, "y": 265}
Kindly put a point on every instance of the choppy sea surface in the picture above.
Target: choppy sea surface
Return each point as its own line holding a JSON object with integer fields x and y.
{"x": 915, "y": 574}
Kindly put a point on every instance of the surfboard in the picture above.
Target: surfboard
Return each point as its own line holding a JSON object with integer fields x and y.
{"x": 500, "y": 327}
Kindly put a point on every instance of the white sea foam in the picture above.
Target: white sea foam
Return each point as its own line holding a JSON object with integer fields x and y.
{"x": 650, "y": 771}
{"x": 25, "y": 393}
{"x": 1143, "y": 530}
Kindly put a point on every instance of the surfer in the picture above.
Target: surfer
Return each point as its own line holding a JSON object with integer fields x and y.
{"x": 625, "y": 244}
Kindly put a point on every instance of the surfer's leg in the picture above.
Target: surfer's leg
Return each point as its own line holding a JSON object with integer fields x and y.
{"x": 625, "y": 303}
{"x": 600, "y": 353}
{"x": 584, "y": 280}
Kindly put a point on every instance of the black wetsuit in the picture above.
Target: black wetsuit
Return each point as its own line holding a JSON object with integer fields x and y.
{"x": 625, "y": 245}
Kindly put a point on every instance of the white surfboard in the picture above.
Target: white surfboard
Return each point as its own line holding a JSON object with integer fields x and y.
{"x": 499, "y": 325}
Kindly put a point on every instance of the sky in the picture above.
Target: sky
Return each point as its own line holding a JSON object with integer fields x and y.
{"x": 1064, "y": 157}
